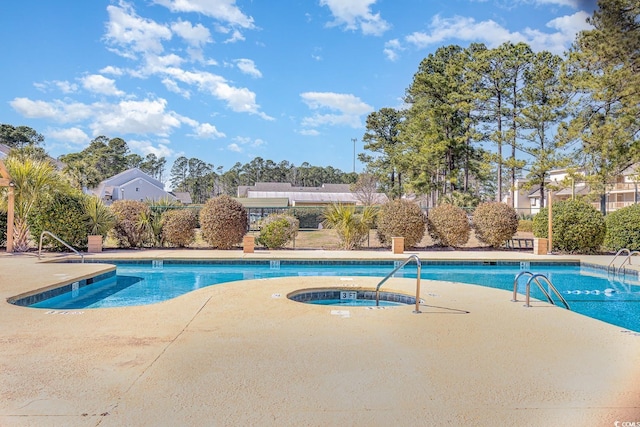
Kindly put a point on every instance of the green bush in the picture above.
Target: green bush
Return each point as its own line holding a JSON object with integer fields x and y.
{"x": 223, "y": 221}
{"x": 98, "y": 217}
{"x": 577, "y": 226}
{"x": 277, "y": 230}
{"x": 448, "y": 225}
{"x": 308, "y": 217}
{"x": 179, "y": 227}
{"x": 130, "y": 216}
{"x": 62, "y": 214}
{"x": 401, "y": 218}
{"x": 623, "y": 229}
{"x": 525, "y": 225}
{"x": 495, "y": 223}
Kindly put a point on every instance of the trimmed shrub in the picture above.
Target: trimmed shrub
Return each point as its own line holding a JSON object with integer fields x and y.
{"x": 577, "y": 226}
{"x": 495, "y": 223}
{"x": 623, "y": 229}
{"x": 179, "y": 227}
{"x": 448, "y": 225}
{"x": 128, "y": 229}
{"x": 63, "y": 215}
{"x": 308, "y": 217}
{"x": 525, "y": 226}
{"x": 223, "y": 222}
{"x": 277, "y": 230}
{"x": 401, "y": 218}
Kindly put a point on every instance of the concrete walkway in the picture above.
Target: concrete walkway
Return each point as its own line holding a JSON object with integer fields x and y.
{"x": 243, "y": 354}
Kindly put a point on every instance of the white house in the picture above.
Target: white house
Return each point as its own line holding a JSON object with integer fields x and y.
{"x": 621, "y": 192}
{"x": 132, "y": 184}
{"x": 306, "y": 196}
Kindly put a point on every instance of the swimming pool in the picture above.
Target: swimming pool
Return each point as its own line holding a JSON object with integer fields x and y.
{"x": 588, "y": 290}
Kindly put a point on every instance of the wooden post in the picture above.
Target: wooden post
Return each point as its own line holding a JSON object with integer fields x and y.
{"x": 550, "y": 230}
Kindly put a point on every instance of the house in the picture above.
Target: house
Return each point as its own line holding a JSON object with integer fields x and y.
{"x": 621, "y": 192}
{"x": 133, "y": 184}
{"x": 305, "y": 196}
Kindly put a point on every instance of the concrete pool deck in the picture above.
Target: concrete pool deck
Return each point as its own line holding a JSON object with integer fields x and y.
{"x": 243, "y": 354}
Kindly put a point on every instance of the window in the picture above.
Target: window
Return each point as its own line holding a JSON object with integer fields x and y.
{"x": 137, "y": 189}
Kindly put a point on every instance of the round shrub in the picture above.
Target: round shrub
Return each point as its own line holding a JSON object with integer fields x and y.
{"x": 525, "y": 226}
{"x": 63, "y": 215}
{"x": 495, "y": 223}
{"x": 309, "y": 217}
{"x": 401, "y": 218}
{"x": 277, "y": 230}
{"x": 179, "y": 227}
{"x": 623, "y": 229}
{"x": 448, "y": 225}
{"x": 577, "y": 226}
{"x": 223, "y": 222}
{"x": 128, "y": 229}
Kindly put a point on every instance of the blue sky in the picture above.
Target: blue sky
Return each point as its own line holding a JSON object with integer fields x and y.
{"x": 228, "y": 80}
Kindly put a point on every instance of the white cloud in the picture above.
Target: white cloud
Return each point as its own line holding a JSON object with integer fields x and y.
{"x": 128, "y": 31}
{"x": 172, "y": 86}
{"x": 222, "y": 10}
{"x": 240, "y": 100}
{"x": 345, "y": 109}
{"x": 236, "y": 36}
{"x": 391, "y": 49}
{"x": 493, "y": 34}
{"x": 61, "y": 85}
{"x": 110, "y": 69}
{"x": 356, "y": 14}
{"x": 207, "y": 131}
{"x": 97, "y": 83}
{"x": 56, "y": 110}
{"x": 136, "y": 117}
{"x": 72, "y": 135}
{"x": 197, "y": 35}
{"x": 234, "y": 147}
{"x": 309, "y": 132}
{"x": 247, "y": 66}
{"x": 146, "y": 147}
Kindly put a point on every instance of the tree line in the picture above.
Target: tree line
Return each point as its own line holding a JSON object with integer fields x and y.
{"x": 476, "y": 119}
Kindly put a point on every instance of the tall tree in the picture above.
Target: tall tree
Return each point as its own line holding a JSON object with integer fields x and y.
{"x": 19, "y": 136}
{"x": 545, "y": 101}
{"x": 382, "y": 138}
{"x": 604, "y": 69}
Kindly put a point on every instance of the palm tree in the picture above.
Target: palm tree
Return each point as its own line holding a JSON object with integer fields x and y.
{"x": 32, "y": 180}
{"x": 352, "y": 227}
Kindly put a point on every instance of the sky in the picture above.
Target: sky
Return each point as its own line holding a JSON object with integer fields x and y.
{"x": 226, "y": 81}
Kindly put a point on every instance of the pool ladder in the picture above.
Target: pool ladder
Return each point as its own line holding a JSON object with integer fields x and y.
{"x": 48, "y": 233}
{"x": 533, "y": 277}
{"x": 630, "y": 253}
{"x": 405, "y": 262}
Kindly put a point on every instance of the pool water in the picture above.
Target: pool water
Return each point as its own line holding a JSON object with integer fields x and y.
{"x": 588, "y": 291}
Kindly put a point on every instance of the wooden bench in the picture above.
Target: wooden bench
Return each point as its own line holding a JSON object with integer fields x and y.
{"x": 519, "y": 243}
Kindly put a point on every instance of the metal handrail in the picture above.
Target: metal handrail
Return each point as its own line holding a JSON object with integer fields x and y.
{"x": 628, "y": 258}
{"x": 59, "y": 240}
{"x": 616, "y": 256}
{"x": 534, "y": 277}
{"x": 405, "y": 262}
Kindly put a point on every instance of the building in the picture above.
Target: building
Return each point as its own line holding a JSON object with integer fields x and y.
{"x": 133, "y": 184}
{"x": 622, "y": 192}
{"x": 305, "y": 196}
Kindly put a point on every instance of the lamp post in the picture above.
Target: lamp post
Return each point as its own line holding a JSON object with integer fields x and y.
{"x": 122, "y": 194}
{"x": 354, "y": 153}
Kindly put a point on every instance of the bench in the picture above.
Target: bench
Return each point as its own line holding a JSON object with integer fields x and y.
{"x": 519, "y": 243}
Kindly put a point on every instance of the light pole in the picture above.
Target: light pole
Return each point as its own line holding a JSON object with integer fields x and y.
{"x": 354, "y": 153}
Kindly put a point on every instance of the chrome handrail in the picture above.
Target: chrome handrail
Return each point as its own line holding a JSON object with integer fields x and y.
{"x": 628, "y": 258}
{"x": 534, "y": 277}
{"x": 616, "y": 256}
{"x": 405, "y": 262}
{"x": 59, "y": 240}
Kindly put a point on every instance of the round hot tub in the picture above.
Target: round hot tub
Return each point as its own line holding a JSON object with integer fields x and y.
{"x": 350, "y": 297}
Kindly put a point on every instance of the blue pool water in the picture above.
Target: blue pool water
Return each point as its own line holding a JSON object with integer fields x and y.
{"x": 588, "y": 291}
